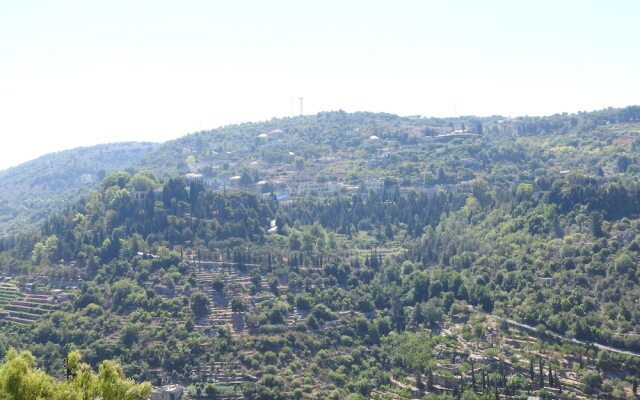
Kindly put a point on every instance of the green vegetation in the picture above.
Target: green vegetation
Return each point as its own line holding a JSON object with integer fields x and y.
{"x": 8, "y": 292}
{"x": 21, "y": 380}
{"x": 33, "y": 190}
{"x": 400, "y": 265}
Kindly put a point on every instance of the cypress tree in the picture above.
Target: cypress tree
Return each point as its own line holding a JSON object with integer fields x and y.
{"x": 541, "y": 377}
{"x": 580, "y": 360}
{"x": 473, "y": 376}
{"x": 484, "y": 380}
{"x": 531, "y": 371}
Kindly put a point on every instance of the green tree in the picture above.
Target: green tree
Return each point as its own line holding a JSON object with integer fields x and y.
{"x": 112, "y": 384}
{"x": 199, "y": 304}
{"x": 142, "y": 181}
{"x": 21, "y": 380}
{"x": 592, "y": 380}
{"x": 119, "y": 179}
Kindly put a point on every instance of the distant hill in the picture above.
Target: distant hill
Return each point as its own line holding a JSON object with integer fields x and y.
{"x": 355, "y": 149}
{"x": 261, "y": 148}
{"x": 31, "y": 191}
{"x": 303, "y": 153}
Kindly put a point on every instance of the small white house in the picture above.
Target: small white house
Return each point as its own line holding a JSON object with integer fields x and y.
{"x": 168, "y": 392}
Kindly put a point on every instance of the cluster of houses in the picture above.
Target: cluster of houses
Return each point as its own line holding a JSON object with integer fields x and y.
{"x": 321, "y": 175}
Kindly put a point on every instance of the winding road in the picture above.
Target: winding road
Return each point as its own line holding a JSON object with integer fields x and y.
{"x": 566, "y": 339}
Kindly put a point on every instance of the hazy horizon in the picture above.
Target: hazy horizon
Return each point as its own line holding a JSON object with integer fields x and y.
{"x": 79, "y": 74}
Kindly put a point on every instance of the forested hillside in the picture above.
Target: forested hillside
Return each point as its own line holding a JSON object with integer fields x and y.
{"x": 351, "y": 256}
{"x": 31, "y": 191}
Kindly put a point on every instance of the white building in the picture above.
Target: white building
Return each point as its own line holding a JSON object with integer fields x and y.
{"x": 169, "y": 392}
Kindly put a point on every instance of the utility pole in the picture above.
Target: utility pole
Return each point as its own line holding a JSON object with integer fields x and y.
{"x": 301, "y": 105}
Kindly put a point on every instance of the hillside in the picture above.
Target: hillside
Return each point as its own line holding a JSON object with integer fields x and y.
{"x": 282, "y": 147}
{"x": 31, "y": 191}
{"x": 351, "y": 256}
{"x": 330, "y": 152}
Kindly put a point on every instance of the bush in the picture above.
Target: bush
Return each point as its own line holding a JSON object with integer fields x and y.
{"x": 592, "y": 380}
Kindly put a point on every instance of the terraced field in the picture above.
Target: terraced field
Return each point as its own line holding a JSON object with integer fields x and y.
{"x": 235, "y": 284}
{"x": 23, "y": 309}
{"x": 8, "y": 293}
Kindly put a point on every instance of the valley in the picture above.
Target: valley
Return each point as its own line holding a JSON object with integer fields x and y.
{"x": 350, "y": 256}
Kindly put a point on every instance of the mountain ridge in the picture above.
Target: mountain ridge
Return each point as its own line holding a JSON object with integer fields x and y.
{"x": 31, "y": 190}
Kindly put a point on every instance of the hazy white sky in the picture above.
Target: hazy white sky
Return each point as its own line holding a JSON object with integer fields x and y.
{"x": 75, "y": 73}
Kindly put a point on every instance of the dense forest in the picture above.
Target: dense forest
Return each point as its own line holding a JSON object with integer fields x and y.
{"x": 360, "y": 256}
